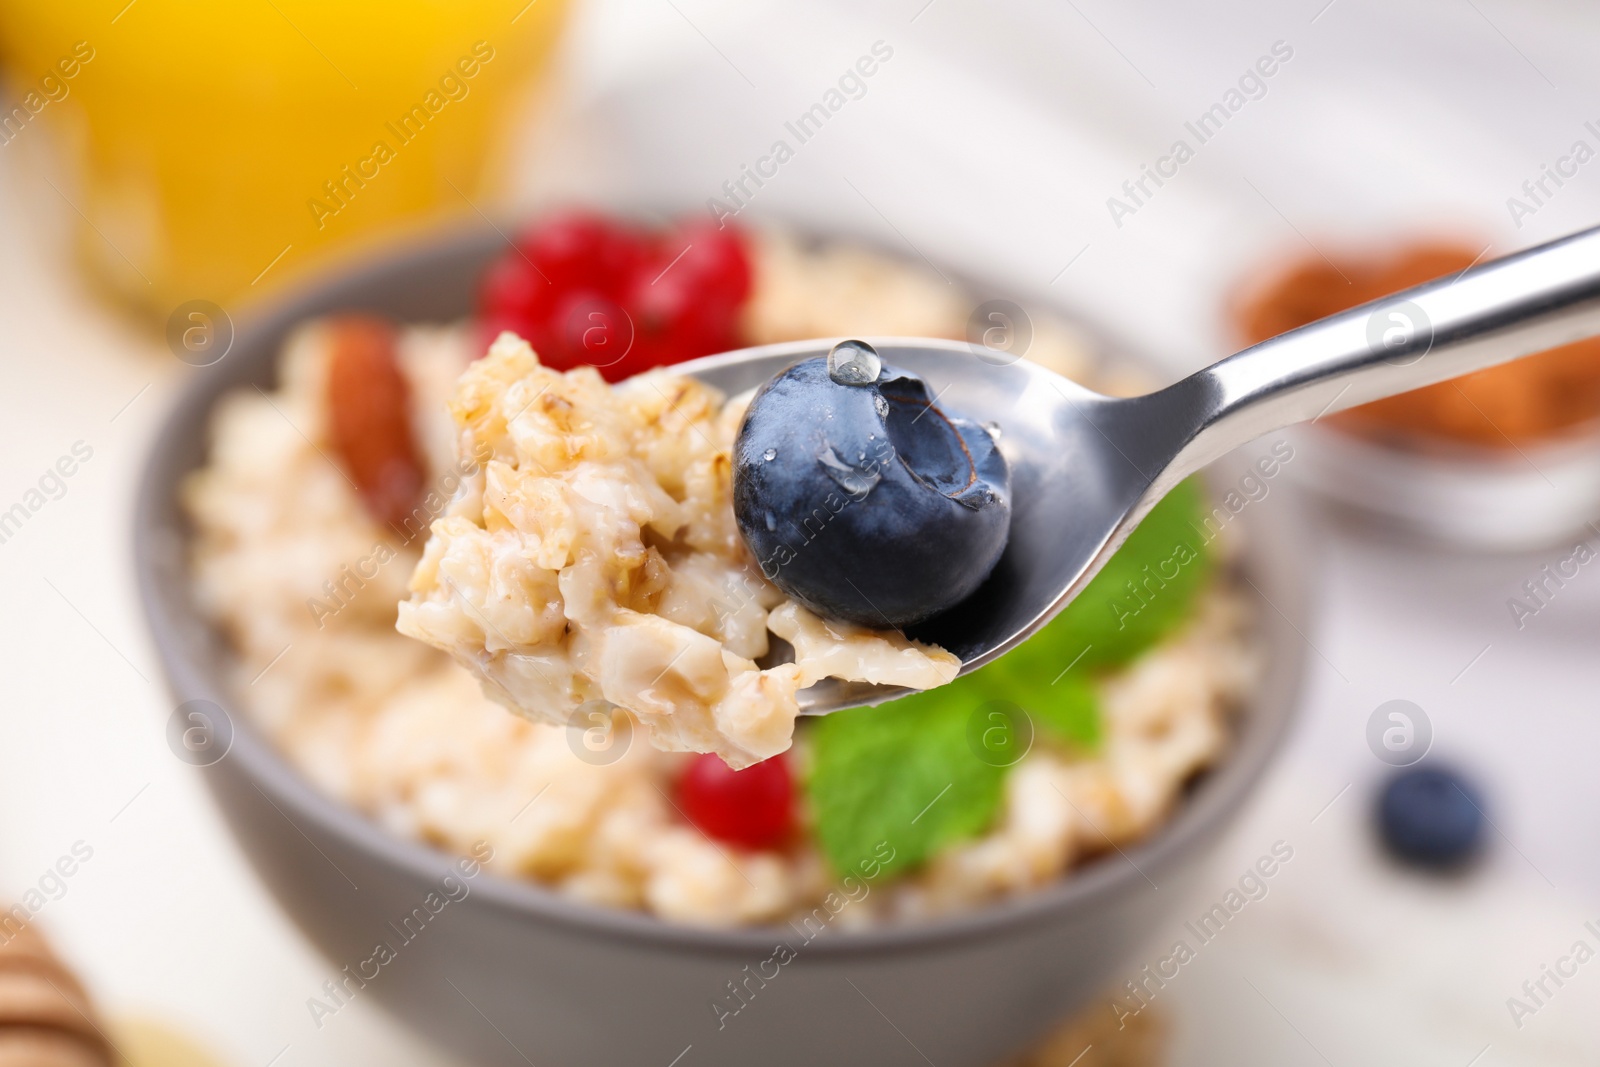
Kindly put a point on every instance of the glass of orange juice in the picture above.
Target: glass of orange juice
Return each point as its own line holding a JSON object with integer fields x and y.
{"x": 217, "y": 147}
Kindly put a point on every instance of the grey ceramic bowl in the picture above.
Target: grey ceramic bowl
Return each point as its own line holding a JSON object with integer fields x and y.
{"x": 513, "y": 974}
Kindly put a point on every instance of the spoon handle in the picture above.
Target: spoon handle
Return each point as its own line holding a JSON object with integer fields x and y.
{"x": 1525, "y": 303}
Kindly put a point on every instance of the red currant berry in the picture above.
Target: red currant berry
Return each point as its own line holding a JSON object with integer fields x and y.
{"x": 513, "y": 293}
{"x": 586, "y": 290}
{"x": 580, "y": 250}
{"x": 587, "y": 329}
{"x": 716, "y": 260}
{"x": 689, "y": 306}
{"x": 753, "y": 808}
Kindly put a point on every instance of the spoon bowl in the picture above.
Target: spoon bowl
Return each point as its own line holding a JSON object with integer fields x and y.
{"x": 1069, "y": 487}
{"x": 1086, "y": 468}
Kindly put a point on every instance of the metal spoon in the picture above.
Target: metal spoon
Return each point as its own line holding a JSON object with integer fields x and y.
{"x": 1086, "y": 467}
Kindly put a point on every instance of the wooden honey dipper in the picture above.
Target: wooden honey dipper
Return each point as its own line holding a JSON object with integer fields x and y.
{"x": 46, "y": 1018}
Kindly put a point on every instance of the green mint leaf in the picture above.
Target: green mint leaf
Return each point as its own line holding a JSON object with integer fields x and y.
{"x": 904, "y": 774}
{"x": 1069, "y": 711}
{"x": 1146, "y": 589}
{"x": 910, "y": 777}
{"x": 925, "y": 771}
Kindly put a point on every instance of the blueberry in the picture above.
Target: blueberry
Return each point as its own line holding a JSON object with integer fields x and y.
{"x": 860, "y": 498}
{"x": 1431, "y": 817}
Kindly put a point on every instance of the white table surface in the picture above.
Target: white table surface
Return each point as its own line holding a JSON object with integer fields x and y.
{"x": 991, "y": 140}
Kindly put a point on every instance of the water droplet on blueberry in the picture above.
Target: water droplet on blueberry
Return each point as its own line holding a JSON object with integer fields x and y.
{"x": 858, "y": 483}
{"x": 770, "y": 454}
{"x": 854, "y": 363}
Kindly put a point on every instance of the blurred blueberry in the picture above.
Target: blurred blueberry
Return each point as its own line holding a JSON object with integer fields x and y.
{"x": 861, "y": 499}
{"x": 1430, "y": 817}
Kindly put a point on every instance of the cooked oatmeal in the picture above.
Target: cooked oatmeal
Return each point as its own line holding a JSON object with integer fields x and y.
{"x": 594, "y": 556}
{"x": 306, "y": 584}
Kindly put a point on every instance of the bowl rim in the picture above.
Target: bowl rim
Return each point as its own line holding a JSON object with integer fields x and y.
{"x": 169, "y": 610}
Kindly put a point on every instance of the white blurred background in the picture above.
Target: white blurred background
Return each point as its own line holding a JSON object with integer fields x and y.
{"x": 991, "y": 141}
